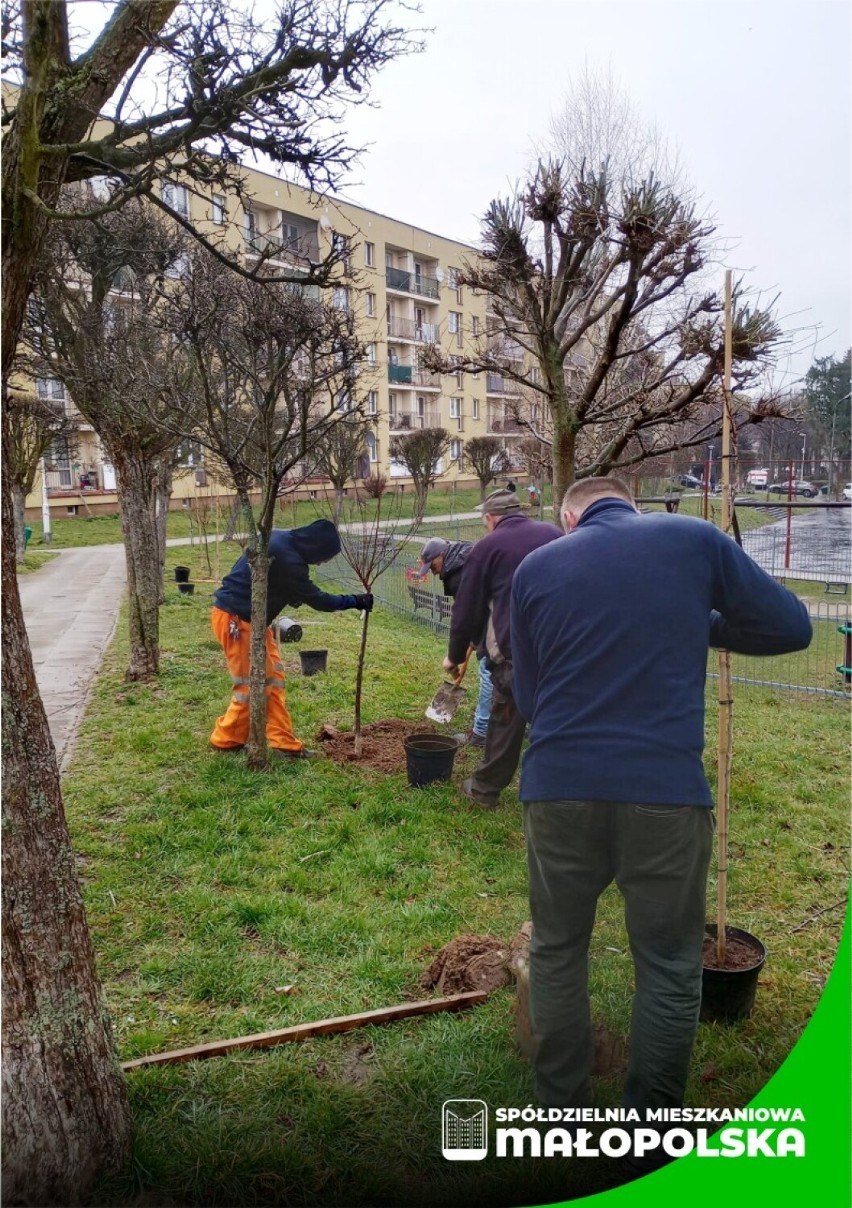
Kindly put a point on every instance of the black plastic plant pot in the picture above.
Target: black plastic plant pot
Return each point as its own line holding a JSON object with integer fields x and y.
{"x": 429, "y": 758}
{"x": 313, "y": 661}
{"x": 727, "y": 994}
{"x": 181, "y": 574}
{"x": 186, "y": 589}
{"x": 289, "y": 631}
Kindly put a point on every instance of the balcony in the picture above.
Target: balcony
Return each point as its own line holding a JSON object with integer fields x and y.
{"x": 495, "y": 383}
{"x": 408, "y": 421}
{"x": 408, "y": 375}
{"x": 410, "y": 329}
{"x": 411, "y": 283}
{"x": 500, "y": 424}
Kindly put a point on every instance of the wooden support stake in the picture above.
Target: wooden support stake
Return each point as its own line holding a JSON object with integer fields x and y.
{"x": 304, "y": 1031}
{"x": 725, "y": 683}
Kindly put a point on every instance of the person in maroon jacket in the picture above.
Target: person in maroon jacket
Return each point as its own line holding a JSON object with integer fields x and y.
{"x": 482, "y": 605}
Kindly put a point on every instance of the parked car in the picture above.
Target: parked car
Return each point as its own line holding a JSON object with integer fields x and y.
{"x": 798, "y": 487}
{"x": 847, "y": 491}
{"x": 689, "y": 480}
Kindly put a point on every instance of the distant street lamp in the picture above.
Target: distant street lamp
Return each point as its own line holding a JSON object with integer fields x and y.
{"x": 804, "y": 437}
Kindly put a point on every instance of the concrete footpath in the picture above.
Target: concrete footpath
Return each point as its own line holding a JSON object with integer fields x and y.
{"x": 71, "y": 608}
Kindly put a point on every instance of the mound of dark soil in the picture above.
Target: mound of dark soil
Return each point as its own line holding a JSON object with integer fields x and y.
{"x": 471, "y": 962}
{"x": 382, "y": 744}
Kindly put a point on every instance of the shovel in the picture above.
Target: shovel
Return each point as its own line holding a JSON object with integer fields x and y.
{"x": 447, "y": 699}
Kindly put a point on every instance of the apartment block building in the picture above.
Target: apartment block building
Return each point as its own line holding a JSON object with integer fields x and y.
{"x": 401, "y": 283}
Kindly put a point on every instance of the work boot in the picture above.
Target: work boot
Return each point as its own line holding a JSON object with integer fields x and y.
{"x": 470, "y": 739}
{"x": 225, "y": 750}
{"x": 303, "y": 753}
{"x": 484, "y": 802}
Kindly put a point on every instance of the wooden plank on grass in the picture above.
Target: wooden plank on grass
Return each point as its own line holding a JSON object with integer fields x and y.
{"x": 304, "y": 1031}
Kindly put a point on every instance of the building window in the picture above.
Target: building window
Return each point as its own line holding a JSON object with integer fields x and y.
{"x": 456, "y": 372}
{"x": 456, "y": 451}
{"x": 475, "y": 408}
{"x": 454, "y": 283}
{"x": 290, "y": 236}
{"x": 371, "y": 305}
{"x": 391, "y": 404}
{"x": 340, "y": 246}
{"x": 179, "y": 267}
{"x": 373, "y": 402}
{"x": 340, "y": 297}
{"x": 371, "y": 354}
{"x": 369, "y": 254}
{"x": 454, "y": 326}
{"x": 50, "y": 388}
{"x": 372, "y": 446}
{"x": 217, "y": 212}
{"x": 474, "y": 325}
{"x": 251, "y": 228}
{"x": 176, "y": 198}
{"x": 455, "y": 408}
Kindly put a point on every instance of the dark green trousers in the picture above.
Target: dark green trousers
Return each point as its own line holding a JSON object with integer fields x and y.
{"x": 658, "y": 856}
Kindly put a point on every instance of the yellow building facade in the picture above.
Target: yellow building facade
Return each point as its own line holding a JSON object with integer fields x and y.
{"x": 400, "y": 282}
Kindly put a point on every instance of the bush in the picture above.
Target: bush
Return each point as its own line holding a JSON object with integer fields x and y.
{"x": 375, "y": 485}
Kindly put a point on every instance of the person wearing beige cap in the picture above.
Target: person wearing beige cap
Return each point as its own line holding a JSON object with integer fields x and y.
{"x": 482, "y": 606}
{"x": 447, "y": 559}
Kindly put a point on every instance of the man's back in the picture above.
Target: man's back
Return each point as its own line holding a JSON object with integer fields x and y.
{"x": 611, "y": 628}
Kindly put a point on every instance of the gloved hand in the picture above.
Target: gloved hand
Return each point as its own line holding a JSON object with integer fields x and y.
{"x": 364, "y": 603}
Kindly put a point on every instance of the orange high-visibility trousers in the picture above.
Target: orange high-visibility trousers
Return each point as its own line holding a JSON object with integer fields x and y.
{"x": 232, "y": 728}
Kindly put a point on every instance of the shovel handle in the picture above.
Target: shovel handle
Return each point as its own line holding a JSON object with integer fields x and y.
{"x": 463, "y": 667}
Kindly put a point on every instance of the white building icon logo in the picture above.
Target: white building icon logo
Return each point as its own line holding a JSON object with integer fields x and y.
{"x": 464, "y": 1130}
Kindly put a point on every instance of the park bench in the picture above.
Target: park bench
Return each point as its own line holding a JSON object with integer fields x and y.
{"x": 421, "y": 597}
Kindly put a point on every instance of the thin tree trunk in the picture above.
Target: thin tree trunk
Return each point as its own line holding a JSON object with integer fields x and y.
{"x": 65, "y": 1120}
{"x": 134, "y": 474}
{"x": 359, "y": 680}
{"x": 19, "y": 509}
{"x": 162, "y": 496}
{"x": 564, "y": 451}
{"x": 256, "y": 752}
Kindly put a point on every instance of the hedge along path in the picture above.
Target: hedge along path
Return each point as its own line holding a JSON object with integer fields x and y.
{"x": 304, "y": 1031}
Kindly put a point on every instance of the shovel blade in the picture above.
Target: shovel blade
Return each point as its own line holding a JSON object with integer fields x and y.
{"x": 445, "y": 703}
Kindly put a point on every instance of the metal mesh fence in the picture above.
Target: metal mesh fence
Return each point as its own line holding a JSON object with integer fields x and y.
{"x": 813, "y": 559}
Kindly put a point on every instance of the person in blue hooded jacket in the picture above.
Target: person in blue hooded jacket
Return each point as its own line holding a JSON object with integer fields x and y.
{"x": 292, "y": 552}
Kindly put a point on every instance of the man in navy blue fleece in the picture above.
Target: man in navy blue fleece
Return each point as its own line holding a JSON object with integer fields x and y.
{"x": 288, "y": 584}
{"x": 610, "y": 633}
{"x": 482, "y": 607}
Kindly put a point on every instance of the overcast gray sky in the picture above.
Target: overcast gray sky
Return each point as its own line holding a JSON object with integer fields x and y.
{"x": 755, "y": 94}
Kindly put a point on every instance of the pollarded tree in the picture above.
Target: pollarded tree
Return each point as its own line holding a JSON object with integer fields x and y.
{"x": 263, "y": 373}
{"x": 175, "y": 79}
{"x": 421, "y": 453}
{"x": 487, "y": 458}
{"x": 601, "y": 293}
{"x": 338, "y": 455}
{"x": 92, "y": 326}
{"x": 34, "y": 425}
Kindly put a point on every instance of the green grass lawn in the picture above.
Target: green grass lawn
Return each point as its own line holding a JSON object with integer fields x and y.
{"x": 441, "y": 501}
{"x": 208, "y": 887}
{"x": 34, "y": 562}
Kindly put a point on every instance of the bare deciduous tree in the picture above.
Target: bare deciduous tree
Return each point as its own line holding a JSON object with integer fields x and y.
{"x": 225, "y": 84}
{"x": 487, "y": 458}
{"x": 33, "y": 426}
{"x": 263, "y": 374}
{"x": 91, "y": 326}
{"x": 340, "y": 451}
{"x": 596, "y": 291}
{"x": 421, "y": 453}
{"x": 371, "y": 541}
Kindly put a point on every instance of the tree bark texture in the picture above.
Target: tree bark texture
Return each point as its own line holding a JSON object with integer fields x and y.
{"x": 19, "y": 510}
{"x": 135, "y": 481}
{"x": 256, "y": 752}
{"x": 162, "y": 495}
{"x": 65, "y": 1113}
{"x": 359, "y": 682}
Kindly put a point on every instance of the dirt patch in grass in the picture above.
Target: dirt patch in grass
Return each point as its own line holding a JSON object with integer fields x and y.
{"x": 471, "y": 962}
{"x": 382, "y": 749}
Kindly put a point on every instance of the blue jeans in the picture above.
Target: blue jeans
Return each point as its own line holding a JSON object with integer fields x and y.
{"x": 658, "y": 857}
{"x": 483, "y": 705}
